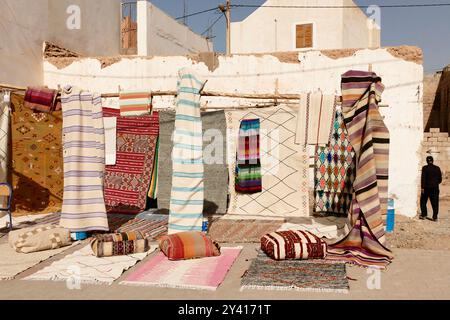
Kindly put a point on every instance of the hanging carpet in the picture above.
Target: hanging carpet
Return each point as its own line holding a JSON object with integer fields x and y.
{"x": 36, "y": 159}
{"x": 128, "y": 181}
{"x": 284, "y": 166}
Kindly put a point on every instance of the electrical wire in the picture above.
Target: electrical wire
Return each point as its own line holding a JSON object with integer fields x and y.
{"x": 213, "y": 24}
{"x": 196, "y": 13}
{"x": 342, "y": 7}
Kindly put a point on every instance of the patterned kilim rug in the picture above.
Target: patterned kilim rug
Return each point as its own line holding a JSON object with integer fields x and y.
{"x": 203, "y": 274}
{"x": 13, "y": 263}
{"x": 284, "y": 166}
{"x": 89, "y": 268}
{"x": 128, "y": 181}
{"x": 152, "y": 226}
{"x": 36, "y": 159}
{"x": 241, "y": 231}
{"x": 295, "y": 275}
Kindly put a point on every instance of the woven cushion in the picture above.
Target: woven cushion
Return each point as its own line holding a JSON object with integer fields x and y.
{"x": 188, "y": 245}
{"x": 292, "y": 244}
{"x": 119, "y": 244}
{"x": 39, "y": 238}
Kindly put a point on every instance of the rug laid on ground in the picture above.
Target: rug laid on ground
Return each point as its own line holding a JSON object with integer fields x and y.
{"x": 152, "y": 226}
{"x": 215, "y": 166}
{"x": 241, "y": 231}
{"x": 360, "y": 247}
{"x": 88, "y": 268}
{"x": 13, "y": 263}
{"x": 334, "y": 172}
{"x": 36, "y": 159}
{"x": 295, "y": 275}
{"x": 202, "y": 274}
{"x": 284, "y": 166}
{"x": 128, "y": 181}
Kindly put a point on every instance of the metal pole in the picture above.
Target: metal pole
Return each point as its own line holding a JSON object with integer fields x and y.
{"x": 228, "y": 15}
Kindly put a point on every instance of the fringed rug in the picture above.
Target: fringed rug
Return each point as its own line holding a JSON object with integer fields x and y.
{"x": 295, "y": 275}
{"x": 242, "y": 231}
{"x": 89, "y": 269}
{"x": 200, "y": 274}
{"x": 12, "y": 263}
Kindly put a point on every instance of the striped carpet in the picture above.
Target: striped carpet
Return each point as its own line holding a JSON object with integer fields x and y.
{"x": 83, "y": 206}
{"x": 361, "y": 93}
{"x": 186, "y": 200}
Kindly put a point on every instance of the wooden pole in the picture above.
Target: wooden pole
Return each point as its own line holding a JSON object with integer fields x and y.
{"x": 228, "y": 16}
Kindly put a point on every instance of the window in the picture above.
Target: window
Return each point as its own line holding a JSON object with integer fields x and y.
{"x": 304, "y": 36}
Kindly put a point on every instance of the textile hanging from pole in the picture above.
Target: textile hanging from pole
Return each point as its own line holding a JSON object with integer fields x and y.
{"x": 284, "y": 166}
{"x": 369, "y": 137}
{"x": 370, "y": 140}
{"x": 315, "y": 118}
{"x": 187, "y": 193}
{"x": 248, "y": 163}
{"x": 36, "y": 159}
{"x": 334, "y": 172}
{"x": 83, "y": 206}
{"x": 128, "y": 181}
{"x": 5, "y": 117}
{"x": 214, "y": 153}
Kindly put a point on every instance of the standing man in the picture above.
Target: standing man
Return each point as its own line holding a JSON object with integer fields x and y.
{"x": 431, "y": 178}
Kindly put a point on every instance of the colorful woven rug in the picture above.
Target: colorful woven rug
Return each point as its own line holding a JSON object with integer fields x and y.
{"x": 295, "y": 275}
{"x": 152, "y": 226}
{"x": 88, "y": 268}
{"x": 334, "y": 172}
{"x": 241, "y": 231}
{"x": 128, "y": 181}
{"x": 248, "y": 163}
{"x": 284, "y": 166}
{"x": 37, "y": 160}
{"x": 205, "y": 274}
{"x": 360, "y": 247}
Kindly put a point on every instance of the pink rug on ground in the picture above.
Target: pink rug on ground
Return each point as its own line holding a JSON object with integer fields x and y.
{"x": 202, "y": 274}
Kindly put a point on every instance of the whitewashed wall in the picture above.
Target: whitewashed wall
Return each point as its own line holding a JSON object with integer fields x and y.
{"x": 261, "y": 74}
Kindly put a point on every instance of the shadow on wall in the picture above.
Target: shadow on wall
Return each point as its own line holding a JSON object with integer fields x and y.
{"x": 439, "y": 116}
{"x": 29, "y": 196}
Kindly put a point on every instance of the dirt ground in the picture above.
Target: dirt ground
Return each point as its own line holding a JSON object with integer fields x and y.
{"x": 424, "y": 234}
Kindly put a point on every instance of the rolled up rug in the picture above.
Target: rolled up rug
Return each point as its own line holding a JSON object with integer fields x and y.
{"x": 119, "y": 244}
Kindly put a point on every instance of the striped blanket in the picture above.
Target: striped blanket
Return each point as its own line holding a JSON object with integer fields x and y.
{"x": 135, "y": 103}
{"x": 248, "y": 164}
{"x": 83, "y": 206}
{"x": 361, "y": 93}
{"x": 186, "y": 200}
{"x": 128, "y": 181}
{"x": 370, "y": 140}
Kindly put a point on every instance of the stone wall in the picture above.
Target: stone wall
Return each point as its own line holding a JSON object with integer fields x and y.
{"x": 436, "y": 101}
{"x": 437, "y": 145}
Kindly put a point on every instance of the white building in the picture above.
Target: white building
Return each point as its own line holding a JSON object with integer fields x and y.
{"x": 88, "y": 27}
{"x": 272, "y": 29}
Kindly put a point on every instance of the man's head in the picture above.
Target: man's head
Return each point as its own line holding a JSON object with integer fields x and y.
{"x": 430, "y": 160}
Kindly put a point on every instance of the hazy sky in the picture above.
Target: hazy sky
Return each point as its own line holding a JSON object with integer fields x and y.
{"x": 428, "y": 28}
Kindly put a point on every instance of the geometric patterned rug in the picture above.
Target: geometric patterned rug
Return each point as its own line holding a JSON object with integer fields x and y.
{"x": 295, "y": 275}
{"x": 284, "y": 166}
{"x": 334, "y": 172}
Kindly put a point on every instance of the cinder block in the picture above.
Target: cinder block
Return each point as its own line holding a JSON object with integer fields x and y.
{"x": 435, "y": 130}
{"x": 443, "y": 135}
{"x": 442, "y": 139}
{"x": 427, "y": 135}
{"x": 432, "y": 139}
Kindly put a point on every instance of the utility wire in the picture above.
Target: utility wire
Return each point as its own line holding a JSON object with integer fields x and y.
{"x": 342, "y": 7}
{"x": 213, "y": 24}
{"x": 196, "y": 13}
